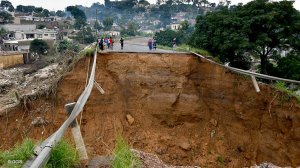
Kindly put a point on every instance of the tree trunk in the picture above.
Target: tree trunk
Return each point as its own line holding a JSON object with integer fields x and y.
{"x": 263, "y": 64}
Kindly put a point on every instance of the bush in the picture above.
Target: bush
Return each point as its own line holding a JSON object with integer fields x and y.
{"x": 123, "y": 157}
{"x": 39, "y": 46}
{"x": 166, "y": 37}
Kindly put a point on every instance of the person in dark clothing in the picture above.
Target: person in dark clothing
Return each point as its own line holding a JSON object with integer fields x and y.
{"x": 154, "y": 44}
{"x": 101, "y": 45}
{"x": 122, "y": 43}
{"x": 150, "y": 44}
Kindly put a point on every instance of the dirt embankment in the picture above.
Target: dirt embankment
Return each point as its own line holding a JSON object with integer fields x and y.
{"x": 185, "y": 109}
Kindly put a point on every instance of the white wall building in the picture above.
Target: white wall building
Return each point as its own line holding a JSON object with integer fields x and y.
{"x": 18, "y": 27}
{"x": 36, "y": 34}
{"x": 175, "y": 26}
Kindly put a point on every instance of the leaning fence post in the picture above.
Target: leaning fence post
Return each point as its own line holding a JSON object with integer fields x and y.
{"x": 75, "y": 128}
{"x": 255, "y": 83}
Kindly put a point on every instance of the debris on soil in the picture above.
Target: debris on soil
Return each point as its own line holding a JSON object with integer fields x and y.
{"x": 267, "y": 165}
{"x": 39, "y": 121}
{"x": 130, "y": 119}
{"x": 214, "y": 122}
{"x": 185, "y": 146}
{"x": 149, "y": 160}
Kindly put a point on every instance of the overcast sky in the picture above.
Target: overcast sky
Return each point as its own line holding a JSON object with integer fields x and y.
{"x": 61, "y": 4}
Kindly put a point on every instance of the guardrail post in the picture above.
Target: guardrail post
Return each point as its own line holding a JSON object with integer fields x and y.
{"x": 75, "y": 128}
{"x": 255, "y": 83}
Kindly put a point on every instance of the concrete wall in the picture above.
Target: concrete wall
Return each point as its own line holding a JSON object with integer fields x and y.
{"x": 11, "y": 60}
{"x": 16, "y": 27}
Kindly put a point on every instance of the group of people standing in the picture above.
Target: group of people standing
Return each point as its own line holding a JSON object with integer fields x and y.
{"x": 152, "y": 44}
{"x": 109, "y": 42}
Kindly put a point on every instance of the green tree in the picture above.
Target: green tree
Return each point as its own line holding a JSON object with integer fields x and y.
{"x": 46, "y": 13}
{"x": 107, "y": 23}
{"x": 7, "y": 5}
{"x": 184, "y": 25}
{"x": 38, "y": 10}
{"x": 97, "y": 26}
{"x": 39, "y": 46}
{"x": 131, "y": 29}
{"x": 60, "y": 13}
{"x": 85, "y": 36}
{"x": 25, "y": 9}
{"x": 166, "y": 37}
{"x": 6, "y": 17}
{"x": 80, "y": 18}
{"x": 67, "y": 45}
{"x": 2, "y": 32}
{"x": 40, "y": 26}
{"x": 258, "y": 28}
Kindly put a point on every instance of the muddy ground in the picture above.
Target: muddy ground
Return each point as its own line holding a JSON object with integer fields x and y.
{"x": 186, "y": 110}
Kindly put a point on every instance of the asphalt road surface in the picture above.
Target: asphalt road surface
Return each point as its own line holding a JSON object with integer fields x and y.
{"x": 136, "y": 45}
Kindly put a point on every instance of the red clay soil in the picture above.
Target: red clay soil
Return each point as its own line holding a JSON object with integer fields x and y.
{"x": 186, "y": 110}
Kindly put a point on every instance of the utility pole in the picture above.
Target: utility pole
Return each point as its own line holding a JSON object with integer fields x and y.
{"x": 96, "y": 22}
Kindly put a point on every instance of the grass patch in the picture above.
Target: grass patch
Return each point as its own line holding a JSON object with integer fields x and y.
{"x": 123, "y": 157}
{"x": 220, "y": 160}
{"x": 88, "y": 51}
{"x": 64, "y": 154}
{"x": 18, "y": 155}
{"x": 281, "y": 86}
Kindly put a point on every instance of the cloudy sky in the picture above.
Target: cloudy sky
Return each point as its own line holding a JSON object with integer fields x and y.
{"x": 61, "y": 4}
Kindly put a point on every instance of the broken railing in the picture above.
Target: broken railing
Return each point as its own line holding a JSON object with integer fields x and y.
{"x": 43, "y": 151}
{"x": 251, "y": 74}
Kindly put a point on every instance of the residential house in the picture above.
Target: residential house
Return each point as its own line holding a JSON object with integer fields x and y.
{"x": 175, "y": 26}
{"x": 44, "y": 34}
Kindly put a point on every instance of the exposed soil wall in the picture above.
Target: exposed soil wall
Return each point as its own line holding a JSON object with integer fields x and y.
{"x": 185, "y": 109}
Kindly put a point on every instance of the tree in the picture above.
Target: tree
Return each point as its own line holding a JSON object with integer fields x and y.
{"x": 60, "y": 13}
{"x": 258, "y": 28}
{"x": 2, "y": 32}
{"x": 108, "y": 22}
{"x": 6, "y": 17}
{"x": 166, "y": 37}
{"x": 67, "y": 45}
{"x": 7, "y": 5}
{"x": 289, "y": 67}
{"x": 40, "y": 26}
{"x": 97, "y": 26}
{"x": 85, "y": 36}
{"x": 46, "y": 13}
{"x": 131, "y": 29}
{"x": 184, "y": 25}
{"x": 38, "y": 46}
{"x": 38, "y": 10}
{"x": 25, "y": 9}
{"x": 218, "y": 33}
{"x": 80, "y": 18}
{"x": 268, "y": 24}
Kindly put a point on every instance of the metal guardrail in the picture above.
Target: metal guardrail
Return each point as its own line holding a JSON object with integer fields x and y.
{"x": 43, "y": 151}
{"x": 262, "y": 76}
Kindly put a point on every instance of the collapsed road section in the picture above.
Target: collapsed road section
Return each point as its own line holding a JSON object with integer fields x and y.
{"x": 181, "y": 107}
